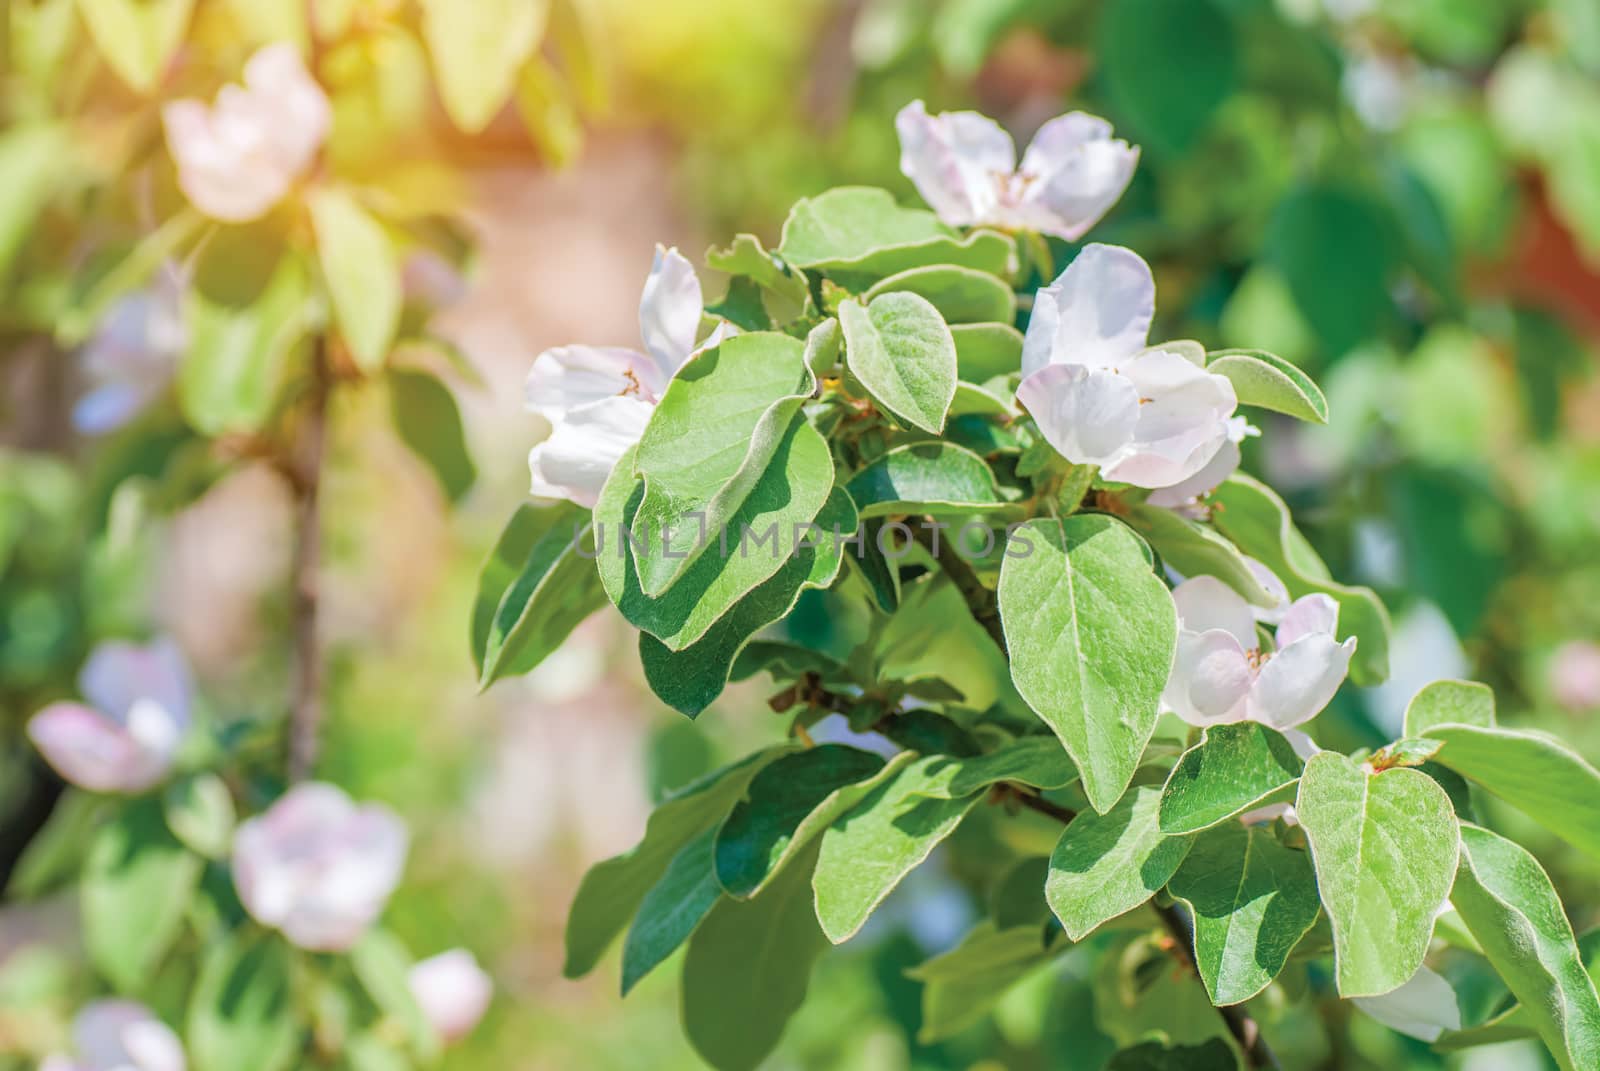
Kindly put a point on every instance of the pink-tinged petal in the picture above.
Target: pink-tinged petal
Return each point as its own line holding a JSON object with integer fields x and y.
{"x": 1423, "y": 1008}
{"x": 569, "y": 377}
{"x": 1097, "y": 313}
{"x": 119, "y": 674}
{"x": 1302, "y": 743}
{"x": 453, "y": 992}
{"x": 300, "y": 113}
{"x": 1219, "y": 468}
{"x": 1270, "y": 813}
{"x": 122, "y": 1035}
{"x": 1575, "y": 676}
{"x": 1075, "y": 171}
{"x": 1269, "y": 615}
{"x": 957, "y": 161}
{"x": 318, "y": 867}
{"x": 1309, "y": 615}
{"x": 1204, "y": 602}
{"x": 574, "y": 462}
{"x": 94, "y": 751}
{"x": 670, "y": 310}
{"x": 1299, "y": 680}
{"x": 1210, "y": 678}
{"x": 1183, "y": 420}
{"x": 1087, "y": 415}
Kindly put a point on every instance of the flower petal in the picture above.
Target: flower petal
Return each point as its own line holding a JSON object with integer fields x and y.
{"x": 567, "y": 377}
{"x": 1078, "y": 172}
{"x": 670, "y": 310}
{"x": 453, "y": 992}
{"x": 583, "y": 448}
{"x": 298, "y": 108}
{"x": 93, "y": 751}
{"x": 1183, "y": 420}
{"x": 956, "y": 160}
{"x": 123, "y": 1035}
{"x": 1309, "y": 615}
{"x": 1097, "y": 313}
{"x": 1270, "y": 583}
{"x": 1087, "y": 415}
{"x": 1299, "y": 680}
{"x": 1204, "y": 602}
{"x": 1423, "y": 1008}
{"x": 1219, "y": 468}
{"x": 1210, "y": 678}
{"x": 119, "y": 674}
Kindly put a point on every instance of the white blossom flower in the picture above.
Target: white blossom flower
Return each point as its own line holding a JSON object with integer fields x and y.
{"x": 131, "y": 359}
{"x": 1423, "y": 1008}
{"x": 318, "y": 867}
{"x": 240, "y": 156}
{"x": 1575, "y": 676}
{"x": 452, "y": 991}
{"x": 1186, "y": 493}
{"x": 1221, "y": 674}
{"x": 125, "y": 737}
{"x": 965, "y": 166}
{"x": 119, "y": 1035}
{"x": 598, "y": 399}
{"x": 1101, "y": 396}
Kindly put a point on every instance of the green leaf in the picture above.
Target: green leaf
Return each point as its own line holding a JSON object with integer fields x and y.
{"x": 748, "y": 968}
{"x": 1252, "y": 900}
{"x": 929, "y": 477}
{"x": 362, "y": 271}
{"x": 1212, "y": 1055}
{"x": 766, "y": 529}
{"x": 901, "y": 351}
{"x": 611, "y": 891}
{"x": 199, "y": 811}
{"x": 748, "y": 257}
{"x": 1256, "y": 520}
{"x": 1405, "y": 752}
{"x": 691, "y": 679}
{"x": 1540, "y": 776}
{"x": 1106, "y": 865}
{"x": 1385, "y": 849}
{"x": 862, "y": 229}
{"x": 964, "y": 984}
{"x": 867, "y": 851}
{"x": 548, "y": 112}
{"x": 787, "y": 804}
{"x": 238, "y": 355}
{"x": 1335, "y": 251}
{"x": 980, "y": 401}
{"x": 962, "y": 295}
{"x": 1035, "y": 761}
{"x": 671, "y": 910}
{"x": 1506, "y": 900}
{"x": 1018, "y": 897}
{"x": 1168, "y": 65}
{"x": 1450, "y": 702}
{"x": 428, "y": 421}
{"x": 166, "y": 243}
{"x": 1233, "y": 769}
{"x": 138, "y": 880}
{"x": 477, "y": 50}
{"x": 241, "y": 1011}
{"x": 984, "y": 351}
{"x": 30, "y": 164}
{"x": 1194, "y": 549}
{"x": 543, "y": 575}
{"x": 1267, "y": 381}
{"x": 720, "y": 424}
{"x": 383, "y": 967}
{"x": 1091, "y": 632}
{"x": 823, "y": 343}
{"x": 137, "y": 37}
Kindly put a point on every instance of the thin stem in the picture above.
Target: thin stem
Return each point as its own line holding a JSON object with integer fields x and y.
{"x": 1245, "y": 1031}
{"x": 983, "y": 603}
{"x": 305, "y": 473}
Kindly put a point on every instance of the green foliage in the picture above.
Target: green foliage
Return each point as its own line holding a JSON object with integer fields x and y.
{"x": 1231, "y": 770}
{"x": 901, "y": 350}
{"x": 135, "y": 859}
{"x": 362, "y": 273}
{"x": 1107, "y": 864}
{"x": 239, "y": 1013}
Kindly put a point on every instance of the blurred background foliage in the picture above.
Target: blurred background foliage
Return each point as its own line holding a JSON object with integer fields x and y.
{"x": 1403, "y": 197}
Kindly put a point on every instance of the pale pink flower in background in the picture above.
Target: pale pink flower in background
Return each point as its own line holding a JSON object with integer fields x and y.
{"x": 119, "y": 1035}
{"x": 318, "y": 867}
{"x": 125, "y": 737}
{"x": 1100, "y": 396}
{"x": 1575, "y": 676}
{"x": 598, "y": 399}
{"x": 1221, "y": 674}
{"x": 131, "y": 359}
{"x": 239, "y": 157}
{"x": 452, "y": 991}
{"x": 965, "y": 166}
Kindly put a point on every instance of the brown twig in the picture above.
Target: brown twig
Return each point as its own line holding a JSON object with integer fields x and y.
{"x": 983, "y": 603}
{"x": 305, "y": 473}
{"x": 1245, "y": 1031}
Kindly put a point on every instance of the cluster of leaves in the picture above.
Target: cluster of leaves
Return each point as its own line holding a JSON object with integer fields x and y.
{"x": 1019, "y": 661}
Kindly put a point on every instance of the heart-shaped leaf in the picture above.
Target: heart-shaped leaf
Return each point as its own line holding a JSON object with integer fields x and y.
{"x": 901, "y": 351}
